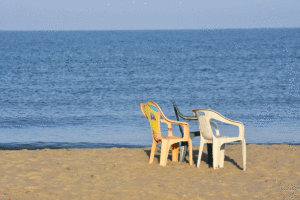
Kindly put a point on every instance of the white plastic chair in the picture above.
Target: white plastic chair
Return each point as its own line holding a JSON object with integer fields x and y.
{"x": 207, "y": 136}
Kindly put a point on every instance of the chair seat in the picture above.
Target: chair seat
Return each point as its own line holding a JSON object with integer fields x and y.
{"x": 226, "y": 139}
{"x": 218, "y": 136}
{"x": 171, "y": 137}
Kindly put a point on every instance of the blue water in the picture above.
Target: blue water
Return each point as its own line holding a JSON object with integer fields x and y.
{"x": 84, "y": 88}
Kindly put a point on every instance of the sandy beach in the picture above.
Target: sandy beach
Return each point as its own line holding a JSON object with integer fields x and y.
{"x": 122, "y": 173}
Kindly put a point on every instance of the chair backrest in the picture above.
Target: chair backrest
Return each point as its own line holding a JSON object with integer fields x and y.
{"x": 204, "y": 121}
{"x": 152, "y": 111}
{"x": 205, "y": 128}
{"x": 177, "y": 113}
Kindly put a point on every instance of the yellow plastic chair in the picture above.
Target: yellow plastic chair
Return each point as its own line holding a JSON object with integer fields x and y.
{"x": 218, "y": 142}
{"x": 155, "y": 116}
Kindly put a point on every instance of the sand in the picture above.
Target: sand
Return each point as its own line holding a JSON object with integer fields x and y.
{"x": 122, "y": 173}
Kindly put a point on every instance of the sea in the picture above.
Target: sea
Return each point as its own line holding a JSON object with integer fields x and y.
{"x": 83, "y": 89}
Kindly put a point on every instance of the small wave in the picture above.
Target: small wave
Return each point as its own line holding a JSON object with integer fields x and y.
{"x": 63, "y": 145}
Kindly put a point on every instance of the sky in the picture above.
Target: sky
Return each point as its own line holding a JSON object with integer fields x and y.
{"x": 147, "y": 14}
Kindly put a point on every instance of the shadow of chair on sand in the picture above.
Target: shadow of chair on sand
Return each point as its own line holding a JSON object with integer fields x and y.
{"x": 195, "y": 157}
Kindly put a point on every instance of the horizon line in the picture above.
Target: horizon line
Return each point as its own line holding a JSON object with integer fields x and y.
{"x": 203, "y": 29}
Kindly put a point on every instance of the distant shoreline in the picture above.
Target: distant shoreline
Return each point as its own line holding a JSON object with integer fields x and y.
{"x": 87, "y": 145}
{"x": 212, "y": 29}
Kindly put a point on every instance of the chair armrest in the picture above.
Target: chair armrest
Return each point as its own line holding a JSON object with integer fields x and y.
{"x": 240, "y": 125}
{"x": 173, "y": 122}
{"x": 186, "y": 131}
{"x": 217, "y": 116}
{"x": 188, "y": 118}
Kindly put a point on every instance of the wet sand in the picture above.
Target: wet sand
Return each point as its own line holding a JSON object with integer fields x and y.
{"x": 273, "y": 172}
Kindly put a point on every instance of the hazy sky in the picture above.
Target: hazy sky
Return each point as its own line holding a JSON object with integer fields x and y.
{"x": 147, "y": 14}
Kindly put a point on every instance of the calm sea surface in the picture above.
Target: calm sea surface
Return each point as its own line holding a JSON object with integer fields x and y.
{"x": 83, "y": 89}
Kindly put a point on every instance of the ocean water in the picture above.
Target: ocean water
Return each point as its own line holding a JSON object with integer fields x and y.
{"x": 83, "y": 89}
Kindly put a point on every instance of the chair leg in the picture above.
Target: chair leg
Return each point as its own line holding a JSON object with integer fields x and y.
{"x": 183, "y": 148}
{"x": 216, "y": 151}
{"x": 200, "y": 153}
{"x": 209, "y": 153}
{"x": 154, "y": 143}
{"x": 183, "y": 151}
{"x": 175, "y": 151}
{"x": 244, "y": 154}
{"x": 190, "y": 152}
{"x": 165, "y": 146}
{"x": 222, "y": 156}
